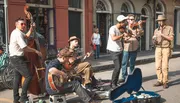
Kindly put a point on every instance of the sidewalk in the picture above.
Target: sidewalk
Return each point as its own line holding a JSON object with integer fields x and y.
{"x": 105, "y": 61}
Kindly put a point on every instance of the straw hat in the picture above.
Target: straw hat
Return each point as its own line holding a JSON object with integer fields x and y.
{"x": 161, "y": 17}
{"x": 73, "y": 38}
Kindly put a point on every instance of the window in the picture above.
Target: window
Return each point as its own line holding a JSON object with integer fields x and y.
{"x": 124, "y": 8}
{"x": 100, "y": 6}
{"x": 75, "y": 3}
{"x": 2, "y": 27}
{"x": 159, "y": 7}
{"x": 44, "y": 2}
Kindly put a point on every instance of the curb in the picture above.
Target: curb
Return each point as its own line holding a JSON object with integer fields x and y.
{"x": 149, "y": 59}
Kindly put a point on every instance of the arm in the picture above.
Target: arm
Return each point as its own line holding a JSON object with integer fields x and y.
{"x": 57, "y": 72}
{"x": 30, "y": 31}
{"x": 28, "y": 49}
{"x": 169, "y": 37}
{"x": 114, "y": 37}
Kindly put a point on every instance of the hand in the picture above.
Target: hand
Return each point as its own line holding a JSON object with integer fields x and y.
{"x": 33, "y": 24}
{"x": 134, "y": 32}
{"x": 64, "y": 74}
{"x": 88, "y": 54}
{"x": 154, "y": 37}
{"x": 71, "y": 60}
{"x": 38, "y": 53}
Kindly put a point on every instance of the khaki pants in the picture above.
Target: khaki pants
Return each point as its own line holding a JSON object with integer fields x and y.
{"x": 86, "y": 72}
{"x": 162, "y": 64}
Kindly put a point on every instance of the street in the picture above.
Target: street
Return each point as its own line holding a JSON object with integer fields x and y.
{"x": 170, "y": 95}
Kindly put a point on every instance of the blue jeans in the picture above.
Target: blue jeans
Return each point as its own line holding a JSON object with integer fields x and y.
{"x": 126, "y": 57}
{"x": 20, "y": 69}
{"x": 97, "y": 51}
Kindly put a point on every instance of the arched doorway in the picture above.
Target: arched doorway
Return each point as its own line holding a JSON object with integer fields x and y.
{"x": 103, "y": 21}
{"x": 146, "y": 38}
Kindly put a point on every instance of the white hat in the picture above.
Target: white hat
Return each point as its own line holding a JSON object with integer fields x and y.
{"x": 121, "y": 18}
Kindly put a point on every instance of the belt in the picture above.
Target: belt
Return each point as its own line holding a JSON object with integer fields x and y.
{"x": 16, "y": 56}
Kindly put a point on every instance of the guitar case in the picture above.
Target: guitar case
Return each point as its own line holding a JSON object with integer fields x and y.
{"x": 133, "y": 83}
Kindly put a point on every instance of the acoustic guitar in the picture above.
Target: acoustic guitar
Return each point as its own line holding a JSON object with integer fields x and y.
{"x": 56, "y": 81}
{"x": 70, "y": 66}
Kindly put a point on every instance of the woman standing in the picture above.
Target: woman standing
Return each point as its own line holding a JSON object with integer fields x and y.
{"x": 96, "y": 40}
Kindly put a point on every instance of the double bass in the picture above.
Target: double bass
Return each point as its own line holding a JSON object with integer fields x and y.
{"x": 35, "y": 63}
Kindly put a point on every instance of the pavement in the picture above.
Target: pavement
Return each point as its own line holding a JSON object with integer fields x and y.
{"x": 105, "y": 61}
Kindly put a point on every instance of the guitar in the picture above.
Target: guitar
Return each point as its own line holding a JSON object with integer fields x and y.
{"x": 69, "y": 66}
{"x": 55, "y": 81}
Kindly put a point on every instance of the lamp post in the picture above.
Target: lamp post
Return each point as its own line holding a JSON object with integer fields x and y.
{"x": 6, "y": 24}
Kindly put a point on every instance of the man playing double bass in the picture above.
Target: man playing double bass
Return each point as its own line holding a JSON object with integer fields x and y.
{"x": 82, "y": 68}
{"x": 17, "y": 47}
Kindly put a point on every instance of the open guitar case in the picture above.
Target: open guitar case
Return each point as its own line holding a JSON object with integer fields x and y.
{"x": 132, "y": 84}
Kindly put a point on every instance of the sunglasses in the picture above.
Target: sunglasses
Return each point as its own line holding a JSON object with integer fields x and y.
{"x": 23, "y": 24}
{"x": 131, "y": 19}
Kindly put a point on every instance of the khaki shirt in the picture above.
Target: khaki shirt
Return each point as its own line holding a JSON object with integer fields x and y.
{"x": 131, "y": 43}
{"x": 161, "y": 42}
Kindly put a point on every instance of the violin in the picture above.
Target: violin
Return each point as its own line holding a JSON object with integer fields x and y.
{"x": 136, "y": 24}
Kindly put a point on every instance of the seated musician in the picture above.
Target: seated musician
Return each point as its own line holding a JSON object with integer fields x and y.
{"x": 55, "y": 68}
{"x": 82, "y": 68}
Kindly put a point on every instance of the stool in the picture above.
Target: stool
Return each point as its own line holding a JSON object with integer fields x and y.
{"x": 57, "y": 99}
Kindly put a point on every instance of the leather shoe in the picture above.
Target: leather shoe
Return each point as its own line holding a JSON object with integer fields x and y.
{"x": 157, "y": 84}
{"x": 165, "y": 86}
{"x": 121, "y": 81}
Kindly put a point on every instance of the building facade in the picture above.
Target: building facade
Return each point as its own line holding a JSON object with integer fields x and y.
{"x": 57, "y": 20}
{"x": 106, "y": 11}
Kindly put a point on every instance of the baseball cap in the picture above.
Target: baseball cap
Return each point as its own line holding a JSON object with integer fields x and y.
{"x": 120, "y": 18}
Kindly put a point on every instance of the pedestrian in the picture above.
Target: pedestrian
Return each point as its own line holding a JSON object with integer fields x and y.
{"x": 96, "y": 40}
{"x": 17, "y": 47}
{"x": 115, "y": 48}
{"x": 55, "y": 68}
{"x": 162, "y": 38}
{"x": 131, "y": 45}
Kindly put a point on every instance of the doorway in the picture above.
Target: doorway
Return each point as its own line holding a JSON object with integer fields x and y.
{"x": 102, "y": 25}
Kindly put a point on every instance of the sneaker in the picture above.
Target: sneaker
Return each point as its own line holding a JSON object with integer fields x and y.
{"x": 165, "y": 85}
{"x": 157, "y": 84}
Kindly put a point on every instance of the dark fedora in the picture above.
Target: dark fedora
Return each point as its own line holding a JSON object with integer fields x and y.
{"x": 73, "y": 38}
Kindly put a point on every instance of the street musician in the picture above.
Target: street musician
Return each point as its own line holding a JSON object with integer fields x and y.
{"x": 131, "y": 37}
{"x": 55, "y": 68}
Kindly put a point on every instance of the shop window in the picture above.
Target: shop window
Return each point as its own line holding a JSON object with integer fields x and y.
{"x": 2, "y": 27}
{"x": 44, "y": 2}
{"x": 75, "y": 3}
{"x": 100, "y": 6}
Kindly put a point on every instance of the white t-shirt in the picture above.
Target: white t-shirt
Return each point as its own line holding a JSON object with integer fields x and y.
{"x": 17, "y": 43}
{"x": 115, "y": 46}
{"x": 96, "y": 38}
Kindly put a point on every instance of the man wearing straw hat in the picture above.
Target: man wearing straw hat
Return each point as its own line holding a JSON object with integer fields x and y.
{"x": 162, "y": 38}
{"x": 81, "y": 67}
